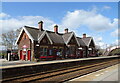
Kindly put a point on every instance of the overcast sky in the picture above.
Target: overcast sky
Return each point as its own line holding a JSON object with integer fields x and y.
{"x": 96, "y": 19}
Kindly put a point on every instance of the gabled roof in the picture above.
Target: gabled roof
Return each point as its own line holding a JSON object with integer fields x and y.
{"x": 28, "y": 32}
{"x": 38, "y": 35}
{"x": 33, "y": 32}
{"x": 81, "y": 42}
{"x": 42, "y": 35}
{"x": 67, "y": 37}
{"x": 88, "y": 40}
{"x": 55, "y": 38}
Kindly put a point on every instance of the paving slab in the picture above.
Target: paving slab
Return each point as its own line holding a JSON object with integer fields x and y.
{"x": 107, "y": 74}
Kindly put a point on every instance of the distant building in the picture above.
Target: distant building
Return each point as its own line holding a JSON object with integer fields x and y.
{"x": 37, "y": 43}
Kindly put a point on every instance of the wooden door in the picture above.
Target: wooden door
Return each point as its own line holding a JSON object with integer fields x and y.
{"x": 20, "y": 55}
{"x": 81, "y": 54}
{"x": 29, "y": 55}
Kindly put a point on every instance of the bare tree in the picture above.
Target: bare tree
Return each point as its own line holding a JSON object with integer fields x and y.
{"x": 9, "y": 39}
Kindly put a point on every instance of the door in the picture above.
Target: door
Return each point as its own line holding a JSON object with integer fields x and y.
{"x": 24, "y": 55}
{"x": 20, "y": 54}
{"x": 29, "y": 55}
{"x": 81, "y": 54}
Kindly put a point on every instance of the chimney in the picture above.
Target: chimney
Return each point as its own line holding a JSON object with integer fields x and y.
{"x": 84, "y": 35}
{"x": 40, "y": 25}
{"x": 56, "y": 28}
{"x": 66, "y": 30}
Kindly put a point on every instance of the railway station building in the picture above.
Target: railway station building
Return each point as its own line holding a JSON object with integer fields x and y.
{"x": 38, "y": 43}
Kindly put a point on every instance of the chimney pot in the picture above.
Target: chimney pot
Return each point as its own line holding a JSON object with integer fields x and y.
{"x": 56, "y": 28}
{"x": 84, "y": 35}
{"x": 66, "y": 30}
{"x": 40, "y": 24}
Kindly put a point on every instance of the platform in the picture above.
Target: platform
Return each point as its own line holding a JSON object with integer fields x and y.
{"x": 107, "y": 74}
{"x": 11, "y": 64}
{"x": 27, "y": 68}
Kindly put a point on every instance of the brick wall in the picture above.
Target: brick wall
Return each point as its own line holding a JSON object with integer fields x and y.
{"x": 24, "y": 40}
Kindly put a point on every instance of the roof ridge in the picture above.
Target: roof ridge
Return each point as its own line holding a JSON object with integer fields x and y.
{"x": 30, "y": 27}
{"x": 88, "y": 37}
{"x": 79, "y": 37}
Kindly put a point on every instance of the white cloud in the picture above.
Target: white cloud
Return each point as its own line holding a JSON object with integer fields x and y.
{"x": 116, "y": 33}
{"x": 117, "y": 42}
{"x": 20, "y": 21}
{"x": 72, "y": 20}
{"x": 91, "y": 19}
{"x": 99, "y": 41}
{"x": 106, "y": 7}
{"x": 4, "y": 15}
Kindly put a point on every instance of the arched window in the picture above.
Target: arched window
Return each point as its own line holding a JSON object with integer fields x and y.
{"x": 25, "y": 37}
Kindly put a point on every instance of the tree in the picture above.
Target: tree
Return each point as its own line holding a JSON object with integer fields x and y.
{"x": 9, "y": 39}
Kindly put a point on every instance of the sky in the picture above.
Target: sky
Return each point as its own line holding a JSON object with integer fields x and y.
{"x": 97, "y": 19}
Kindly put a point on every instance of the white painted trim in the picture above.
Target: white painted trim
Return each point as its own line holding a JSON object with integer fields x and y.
{"x": 94, "y": 42}
{"x": 28, "y": 34}
{"x": 90, "y": 42}
{"x": 23, "y": 29}
{"x": 49, "y": 38}
{"x": 76, "y": 39}
{"x": 43, "y": 34}
{"x": 69, "y": 38}
{"x": 85, "y": 43}
{"x": 19, "y": 36}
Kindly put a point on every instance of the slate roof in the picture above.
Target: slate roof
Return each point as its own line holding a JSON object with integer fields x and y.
{"x": 87, "y": 40}
{"x": 81, "y": 42}
{"x": 33, "y": 32}
{"x": 66, "y": 36}
{"x": 56, "y": 38}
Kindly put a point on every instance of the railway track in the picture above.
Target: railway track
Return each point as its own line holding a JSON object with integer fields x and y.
{"x": 62, "y": 75}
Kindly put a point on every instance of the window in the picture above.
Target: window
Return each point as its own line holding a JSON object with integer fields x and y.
{"x": 61, "y": 52}
{"x": 43, "y": 51}
{"x": 44, "y": 41}
{"x": 54, "y": 51}
{"x": 72, "y": 50}
{"x": 50, "y": 52}
{"x": 25, "y": 37}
